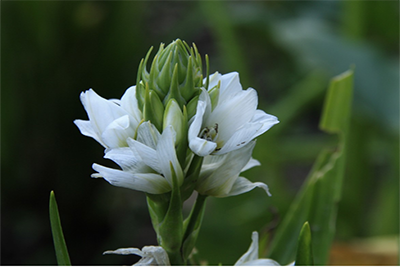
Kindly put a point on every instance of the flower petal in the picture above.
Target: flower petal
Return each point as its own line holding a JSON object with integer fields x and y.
{"x": 202, "y": 147}
{"x": 147, "y": 182}
{"x": 218, "y": 175}
{"x": 116, "y": 133}
{"x": 252, "y": 252}
{"x": 252, "y": 163}
{"x": 240, "y": 138}
{"x": 146, "y": 153}
{"x": 230, "y": 85}
{"x": 250, "y": 258}
{"x": 151, "y": 255}
{"x": 166, "y": 154}
{"x": 198, "y": 145}
{"x": 232, "y": 114}
{"x": 130, "y": 104}
{"x": 265, "y": 119}
{"x": 101, "y": 112}
{"x": 148, "y": 134}
{"x": 86, "y": 129}
{"x": 127, "y": 160}
{"x": 242, "y": 185}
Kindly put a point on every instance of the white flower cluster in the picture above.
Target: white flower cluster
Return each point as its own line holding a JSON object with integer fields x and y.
{"x": 222, "y": 131}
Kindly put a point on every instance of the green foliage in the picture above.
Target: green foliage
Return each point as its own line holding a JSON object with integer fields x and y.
{"x": 304, "y": 255}
{"x": 58, "y": 236}
{"x": 317, "y": 201}
{"x": 53, "y": 50}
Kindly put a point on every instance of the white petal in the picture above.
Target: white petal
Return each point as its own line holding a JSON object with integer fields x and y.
{"x": 230, "y": 85}
{"x": 265, "y": 119}
{"x": 262, "y": 262}
{"x": 148, "y": 154}
{"x": 86, "y": 129}
{"x": 147, "y": 182}
{"x": 157, "y": 253}
{"x": 101, "y": 111}
{"x": 148, "y": 134}
{"x": 242, "y": 185}
{"x": 116, "y": 133}
{"x": 232, "y": 114}
{"x": 240, "y": 138}
{"x": 219, "y": 181}
{"x": 196, "y": 124}
{"x": 198, "y": 145}
{"x": 125, "y": 251}
{"x": 166, "y": 154}
{"x": 129, "y": 103}
{"x": 127, "y": 160}
{"x": 151, "y": 255}
{"x": 202, "y": 147}
{"x": 252, "y": 163}
{"x": 252, "y": 252}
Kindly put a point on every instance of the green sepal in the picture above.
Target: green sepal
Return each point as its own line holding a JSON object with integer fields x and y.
{"x": 192, "y": 225}
{"x": 153, "y": 109}
{"x": 164, "y": 77}
{"x": 214, "y": 95}
{"x": 171, "y": 228}
{"x": 192, "y": 106}
{"x": 207, "y": 73}
{"x": 158, "y": 207}
{"x": 189, "y": 87}
{"x": 153, "y": 79}
{"x": 304, "y": 255}
{"x": 174, "y": 92}
{"x": 141, "y": 79}
{"x": 58, "y": 237}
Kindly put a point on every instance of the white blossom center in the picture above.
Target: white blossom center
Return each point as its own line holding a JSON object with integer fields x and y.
{"x": 209, "y": 133}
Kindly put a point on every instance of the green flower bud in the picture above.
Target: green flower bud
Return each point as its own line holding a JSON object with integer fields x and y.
{"x": 179, "y": 121}
{"x": 175, "y": 73}
{"x": 153, "y": 109}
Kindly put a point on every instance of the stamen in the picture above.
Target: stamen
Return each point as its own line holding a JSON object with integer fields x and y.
{"x": 209, "y": 133}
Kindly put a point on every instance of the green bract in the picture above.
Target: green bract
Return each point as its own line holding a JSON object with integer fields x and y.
{"x": 175, "y": 73}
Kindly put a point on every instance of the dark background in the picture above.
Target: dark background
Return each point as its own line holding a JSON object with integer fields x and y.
{"x": 288, "y": 51}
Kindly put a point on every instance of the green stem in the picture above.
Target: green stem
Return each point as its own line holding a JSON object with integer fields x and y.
{"x": 193, "y": 226}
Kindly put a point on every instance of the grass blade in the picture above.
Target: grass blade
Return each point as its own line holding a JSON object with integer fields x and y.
{"x": 304, "y": 254}
{"x": 58, "y": 236}
{"x": 317, "y": 200}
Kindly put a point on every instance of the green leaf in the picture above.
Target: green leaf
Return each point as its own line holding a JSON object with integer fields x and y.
{"x": 318, "y": 198}
{"x": 192, "y": 225}
{"x": 304, "y": 255}
{"x": 58, "y": 236}
{"x": 171, "y": 228}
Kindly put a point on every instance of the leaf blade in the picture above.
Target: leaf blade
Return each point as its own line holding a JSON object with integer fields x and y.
{"x": 304, "y": 255}
{"x": 58, "y": 237}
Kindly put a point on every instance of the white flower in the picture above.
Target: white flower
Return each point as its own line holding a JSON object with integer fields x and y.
{"x": 228, "y": 121}
{"x": 146, "y": 163}
{"x": 219, "y": 175}
{"x": 110, "y": 122}
{"x": 151, "y": 255}
{"x": 250, "y": 258}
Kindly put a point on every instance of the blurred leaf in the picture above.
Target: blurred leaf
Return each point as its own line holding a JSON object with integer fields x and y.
{"x": 317, "y": 201}
{"x": 58, "y": 236}
{"x": 304, "y": 255}
{"x": 221, "y": 25}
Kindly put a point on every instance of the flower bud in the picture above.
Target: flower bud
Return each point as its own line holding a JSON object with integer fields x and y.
{"x": 175, "y": 73}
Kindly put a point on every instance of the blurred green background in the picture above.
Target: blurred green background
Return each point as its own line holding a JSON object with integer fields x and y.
{"x": 288, "y": 51}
